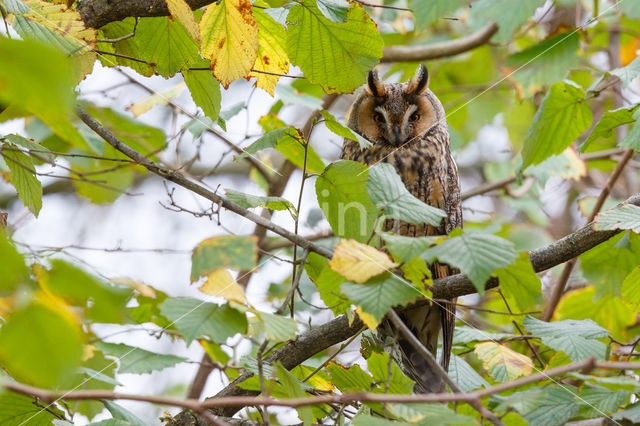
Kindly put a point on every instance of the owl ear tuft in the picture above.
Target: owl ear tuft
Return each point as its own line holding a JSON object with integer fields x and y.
{"x": 419, "y": 83}
{"x": 374, "y": 85}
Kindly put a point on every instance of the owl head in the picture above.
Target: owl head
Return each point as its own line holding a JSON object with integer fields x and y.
{"x": 396, "y": 113}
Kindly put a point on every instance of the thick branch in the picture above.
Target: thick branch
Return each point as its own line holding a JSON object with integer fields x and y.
{"x": 542, "y": 258}
{"x": 439, "y": 50}
{"x": 96, "y": 13}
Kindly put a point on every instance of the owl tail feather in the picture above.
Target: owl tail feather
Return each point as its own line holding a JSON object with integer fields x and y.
{"x": 425, "y": 321}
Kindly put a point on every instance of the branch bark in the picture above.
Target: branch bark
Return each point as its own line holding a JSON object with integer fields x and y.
{"x": 50, "y": 396}
{"x": 439, "y": 50}
{"x": 97, "y": 13}
{"x": 338, "y": 330}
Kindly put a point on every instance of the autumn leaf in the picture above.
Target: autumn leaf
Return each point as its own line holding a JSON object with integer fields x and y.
{"x": 229, "y": 34}
{"x": 180, "y": 10}
{"x": 358, "y": 262}
{"x": 503, "y": 363}
{"x": 272, "y": 55}
{"x": 220, "y": 283}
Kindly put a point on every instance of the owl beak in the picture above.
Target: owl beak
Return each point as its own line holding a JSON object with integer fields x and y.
{"x": 396, "y": 135}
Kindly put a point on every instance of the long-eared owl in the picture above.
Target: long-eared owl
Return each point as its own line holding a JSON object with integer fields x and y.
{"x": 405, "y": 122}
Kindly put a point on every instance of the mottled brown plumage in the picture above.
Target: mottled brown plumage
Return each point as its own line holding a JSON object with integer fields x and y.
{"x": 406, "y": 124}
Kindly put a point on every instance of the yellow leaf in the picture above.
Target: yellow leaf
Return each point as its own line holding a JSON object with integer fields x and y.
{"x": 229, "y": 34}
{"x": 220, "y": 283}
{"x": 369, "y": 320}
{"x": 272, "y": 54}
{"x": 142, "y": 288}
{"x": 629, "y": 51}
{"x": 181, "y": 11}
{"x": 64, "y": 21}
{"x": 155, "y": 99}
{"x": 503, "y": 363}
{"x": 358, "y": 262}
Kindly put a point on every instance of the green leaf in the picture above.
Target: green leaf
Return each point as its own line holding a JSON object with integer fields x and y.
{"x": 389, "y": 193}
{"x": 631, "y": 288}
{"x": 163, "y": 41}
{"x": 101, "y": 302}
{"x": 51, "y": 98}
{"x": 464, "y": 334}
{"x": 607, "y": 264}
{"x": 464, "y": 375}
{"x": 121, "y": 413}
{"x": 613, "y": 383}
{"x": 129, "y": 47}
{"x": 378, "y": 295}
{"x": 17, "y": 409}
{"x": 12, "y": 268}
{"x": 288, "y": 141}
{"x": 35, "y": 149}
{"x": 336, "y": 56}
{"x": 406, "y": 248}
{"x": 23, "y": 177}
{"x": 624, "y": 216}
{"x": 335, "y": 10}
{"x": 351, "y": 379}
{"x": 277, "y": 327}
{"x": 233, "y": 251}
{"x": 629, "y": 73}
{"x": 138, "y": 361}
{"x": 609, "y": 312}
{"x": 380, "y": 365}
{"x": 550, "y": 406}
{"x": 205, "y": 91}
{"x": 510, "y": 17}
{"x": 575, "y": 338}
{"x": 584, "y": 328}
{"x": 294, "y": 389}
{"x": 96, "y": 373}
{"x": 597, "y": 401}
{"x": 342, "y": 196}
{"x": 427, "y": 11}
{"x": 547, "y": 62}
{"x": 631, "y": 413}
{"x": 249, "y": 201}
{"x": 478, "y": 255}
{"x": 328, "y": 284}
{"x": 632, "y": 139}
{"x": 609, "y": 121}
{"x": 293, "y": 150}
{"x": 340, "y": 130}
{"x": 194, "y": 318}
{"x": 289, "y": 95}
{"x": 268, "y": 140}
{"x": 629, "y": 9}
{"x": 431, "y": 414}
{"x": 40, "y": 345}
{"x": 520, "y": 284}
{"x": 561, "y": 118}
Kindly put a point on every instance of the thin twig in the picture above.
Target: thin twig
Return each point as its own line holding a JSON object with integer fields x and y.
{"x": 437, "y": 368}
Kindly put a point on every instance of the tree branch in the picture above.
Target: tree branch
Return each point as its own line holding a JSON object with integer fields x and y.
{"x": 339, "y": 329}
{"x": 348, "y": 398}
{"x": 439, "y": 50}
{"x": 97, "y": 13}
{"x": 175, "y": 177}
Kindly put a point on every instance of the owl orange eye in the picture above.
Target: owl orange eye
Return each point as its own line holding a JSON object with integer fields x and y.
{"x": 414, "y": 117}
{"x": 378, "y": 117}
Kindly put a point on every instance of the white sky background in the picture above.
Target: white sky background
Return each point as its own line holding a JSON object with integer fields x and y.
{"x": 140, "y": 222}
